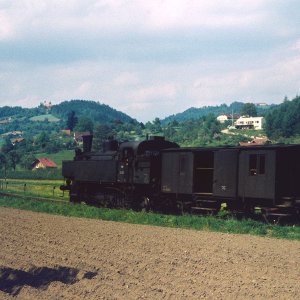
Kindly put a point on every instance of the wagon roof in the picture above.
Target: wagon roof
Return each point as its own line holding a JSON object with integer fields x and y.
{"x": 253, "y": 147}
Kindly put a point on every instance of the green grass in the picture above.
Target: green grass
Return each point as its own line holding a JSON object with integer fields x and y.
{"x": 58, "y": 157}
{"x": 42, "y": 118}
{"x": 207, "y": 223}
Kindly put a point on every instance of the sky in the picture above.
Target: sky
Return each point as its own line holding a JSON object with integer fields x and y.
{"x": 149, "y": 58}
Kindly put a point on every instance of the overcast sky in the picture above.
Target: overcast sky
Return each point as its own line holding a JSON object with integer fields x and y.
{"x": 149, "y": 58}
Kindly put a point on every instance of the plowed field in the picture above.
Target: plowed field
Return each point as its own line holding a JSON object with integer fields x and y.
{"x": 53, "y": 257}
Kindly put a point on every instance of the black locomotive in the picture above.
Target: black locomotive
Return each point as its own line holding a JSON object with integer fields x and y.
{"x": 158, "y": 174}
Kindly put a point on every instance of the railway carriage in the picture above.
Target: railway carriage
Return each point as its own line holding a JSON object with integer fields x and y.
{"x": 201, "y": 179}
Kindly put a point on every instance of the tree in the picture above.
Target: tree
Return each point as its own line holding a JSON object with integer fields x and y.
{"x": 3, "y": 161}
{"x": 72, "y": 120}
{"x": 157, "y": 126}
{"x": 84, "y": 124}
{"x": 102, "y": 132}
{"x": 27, "y": 160}
{"x": 42, "y": 139}
{"x": 7, "y": 146}
{"x": 249, "y": 109}
{"x": 13, "y": 159}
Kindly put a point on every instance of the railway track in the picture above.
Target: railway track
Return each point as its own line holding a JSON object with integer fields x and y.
{"x": 34, "y": 198}
{"x": 267, "y": 219}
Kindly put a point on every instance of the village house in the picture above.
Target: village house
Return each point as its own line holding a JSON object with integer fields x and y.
{"x": 227, "y": 117}
{"x": 43, "y": 163}
{"x": 246, "y": 122}
{"x": 15, "y": 141}
{"x": 13, "y": 133}
{"x": 222, "y": 118}
{"x": 256, "y": 142}
{"x": 66, "y": 131}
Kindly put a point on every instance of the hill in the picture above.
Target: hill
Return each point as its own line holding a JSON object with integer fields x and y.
{"x": 96, "y": 111}
{"x": 32, "y": 121}
{"x": 196, "y": 113}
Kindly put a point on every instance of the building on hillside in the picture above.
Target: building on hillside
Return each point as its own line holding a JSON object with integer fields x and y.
{"x": 260, "y": 104}
{"x": 66, "y": 131}
{"x": 222, "y": 118}
{"x": 227, "y": 117}
{"x": 13, "y": 133}
{"x": 6, "y": 120}
{"x": 256, "y": 142}
{"x": 43, "y": 163}
{"x": 246, "y": 122}
{"x": 15, "y": 141}
{"x": 78, "y": 136}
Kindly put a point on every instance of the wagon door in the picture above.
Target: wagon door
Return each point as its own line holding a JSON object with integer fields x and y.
{"x": 225, "y": 173}
{"x": 257, "y": 174}
{"x": 177, "y": 175}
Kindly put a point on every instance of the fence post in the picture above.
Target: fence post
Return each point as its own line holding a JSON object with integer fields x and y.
{"x": 24, "y": 187}
{"x": 53, "y": 190}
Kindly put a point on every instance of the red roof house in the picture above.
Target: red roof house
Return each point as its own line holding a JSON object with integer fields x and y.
{"x": 256, "y": 142}
{"x": 43, "y": 163}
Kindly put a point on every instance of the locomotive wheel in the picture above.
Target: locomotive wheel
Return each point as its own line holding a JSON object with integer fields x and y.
{"x": 115, "y": 198}
{"x": 74, "y": 194}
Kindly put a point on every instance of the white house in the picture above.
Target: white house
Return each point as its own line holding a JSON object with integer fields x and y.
{"x": 249, "y": 123}
{"x": 222, "y": 118}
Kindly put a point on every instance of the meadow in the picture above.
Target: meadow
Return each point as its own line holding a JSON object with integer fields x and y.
{"x": 35, "y": 188}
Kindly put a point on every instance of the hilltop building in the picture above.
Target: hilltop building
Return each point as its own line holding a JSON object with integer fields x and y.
{"x": 47, "y": 104}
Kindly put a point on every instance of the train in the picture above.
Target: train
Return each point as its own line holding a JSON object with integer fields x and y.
{"x": 159, "y": 175}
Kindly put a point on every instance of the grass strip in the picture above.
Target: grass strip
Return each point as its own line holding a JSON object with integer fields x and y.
{"x": 207, "y": 223}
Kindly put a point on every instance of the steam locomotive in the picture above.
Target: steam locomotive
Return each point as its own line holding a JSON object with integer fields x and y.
{"x": 157, "y": 174}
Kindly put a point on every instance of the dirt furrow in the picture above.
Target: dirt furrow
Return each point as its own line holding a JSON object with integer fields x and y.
{"x": 110, "y": 260}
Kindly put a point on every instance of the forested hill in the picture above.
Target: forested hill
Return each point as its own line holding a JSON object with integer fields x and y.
{"x": 196, "y": 113}
{"x": 7, "y": 111}
{"x": 96, "y": 111}
{"x": 284, "y": 120}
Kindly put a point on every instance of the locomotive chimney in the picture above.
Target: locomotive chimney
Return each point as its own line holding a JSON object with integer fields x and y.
{"x": 87, "y": 142}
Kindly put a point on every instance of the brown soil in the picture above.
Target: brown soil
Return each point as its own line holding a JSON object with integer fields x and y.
{"x": 54, "y": 257}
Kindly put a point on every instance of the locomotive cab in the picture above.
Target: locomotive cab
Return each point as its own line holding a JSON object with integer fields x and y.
{"x": 140, "y": 162}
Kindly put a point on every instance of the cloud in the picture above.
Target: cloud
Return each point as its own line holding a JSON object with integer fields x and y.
{"x": 148, "y": 58}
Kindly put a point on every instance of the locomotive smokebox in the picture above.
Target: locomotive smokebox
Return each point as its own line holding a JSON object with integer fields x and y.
{"x": 87, "y": 142}
{"x": 110, "y": 145}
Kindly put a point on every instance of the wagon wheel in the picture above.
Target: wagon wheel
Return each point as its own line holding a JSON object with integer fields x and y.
{"x": 269, "y": 218}
{"x": 146, "y": 204}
